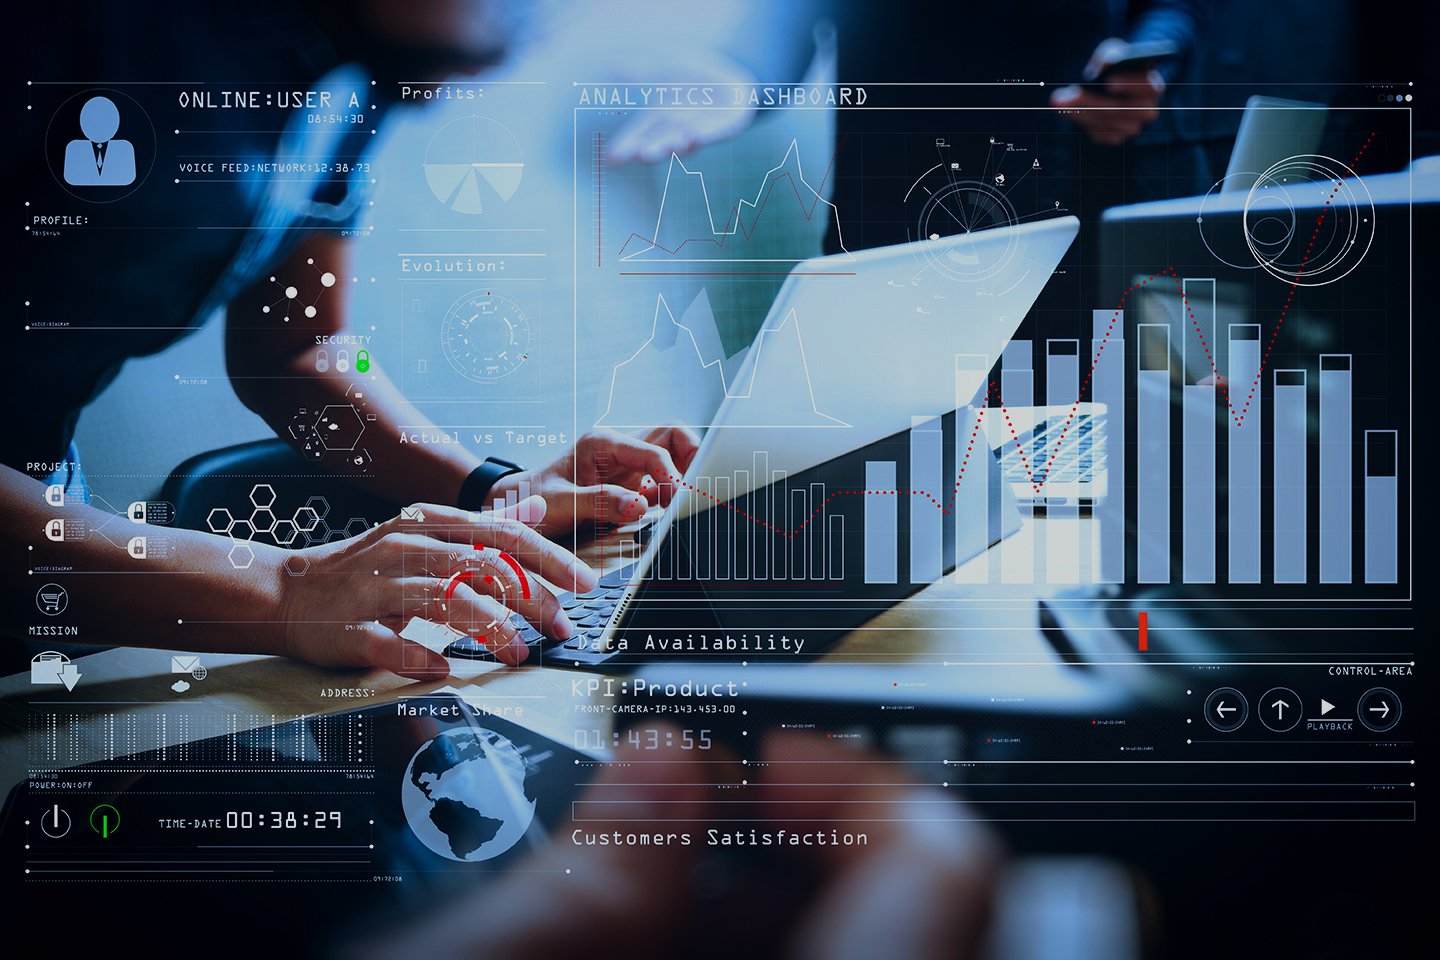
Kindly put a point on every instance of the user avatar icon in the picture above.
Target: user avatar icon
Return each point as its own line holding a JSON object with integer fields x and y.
{"x": 99, "y": 160}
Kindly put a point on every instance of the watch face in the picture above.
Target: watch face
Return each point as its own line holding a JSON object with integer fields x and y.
{"x": 486, "y": 336}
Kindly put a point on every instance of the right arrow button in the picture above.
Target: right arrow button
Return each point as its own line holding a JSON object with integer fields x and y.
{"x": 1378, "y": 709}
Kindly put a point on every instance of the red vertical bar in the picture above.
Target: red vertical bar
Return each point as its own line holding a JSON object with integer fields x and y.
{"x": 1144, "y": 630}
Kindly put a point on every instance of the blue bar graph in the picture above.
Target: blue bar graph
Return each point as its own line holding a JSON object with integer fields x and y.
{"x": 927, "y": 531}
{"x": 1107, "y": 350}
{"x": 1062, "y": 536}
{"x": 1197, "y": 438}
{"x": 1152, "y": 454}
{"x": 972, "y": 455}
{"x": 724, "y": 530}
{"x": 1244, "y": 466}
{"x": 1289, "y": 476}
{"x": 817, "y": 529}
{"x": 762, "y": 562}
{"x": 882, "y": 531}
{"x": 1197, "y": 471}
{"x": 1336, "y": 484}
{"x": 1017, "y": 389}
{"x": 780, "y": 516}
{"x": 799, "y": 552}
{"x": 1382, "y": 506}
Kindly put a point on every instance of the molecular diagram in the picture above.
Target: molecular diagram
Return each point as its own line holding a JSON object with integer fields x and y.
{"x": 308, "y": 525}
{"x": 289, "y": 301}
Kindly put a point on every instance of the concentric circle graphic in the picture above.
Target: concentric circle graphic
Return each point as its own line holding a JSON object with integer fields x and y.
{"x": 1291, "y": 244}
{"x": 1307, "y": 220}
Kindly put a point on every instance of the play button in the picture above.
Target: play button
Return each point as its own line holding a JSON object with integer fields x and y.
{"x": 1325, "y": 706}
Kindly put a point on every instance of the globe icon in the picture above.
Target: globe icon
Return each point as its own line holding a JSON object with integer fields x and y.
{"x": 464, "y": 795}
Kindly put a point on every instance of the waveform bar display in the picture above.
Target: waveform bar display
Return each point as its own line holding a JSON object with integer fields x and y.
{"x": 1382, "y": 506}
{"x": 1107, "y": 350}
{"x": 927, "y": 530}
{"x": 1290, "y": 476}
{"x": 1197, "y": 440}
{"x": 1062, "y": 533}
{"x": 1152, "y": 453}
{"x": 1017, "y": 389}
{"x": 511, "y": 497}
{"x": 972, "y": 487}
{"x": 882, "y": 530}
{"x": 745, "y": 538}
{"x": 1244, "y": 465}
{"x": 1336, "y": 464}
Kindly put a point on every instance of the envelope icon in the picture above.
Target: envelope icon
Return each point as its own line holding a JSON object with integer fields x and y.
{"x": 412, "y": 513}
{"x": 184, "y": 664}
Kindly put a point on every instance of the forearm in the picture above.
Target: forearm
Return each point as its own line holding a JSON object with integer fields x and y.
{"x": 273, "y": 355}
{"x": 405, "y": 468}
{"x": 186, "y": 594}
{"x": 1178, "y": 21}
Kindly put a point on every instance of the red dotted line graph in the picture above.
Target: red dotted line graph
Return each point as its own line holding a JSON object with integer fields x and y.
{"x": 1284, "y": 309}
{"x": 1037, "y": 485}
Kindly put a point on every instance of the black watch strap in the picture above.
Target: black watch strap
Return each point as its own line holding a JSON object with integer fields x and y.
{"x": 476, "y": 488}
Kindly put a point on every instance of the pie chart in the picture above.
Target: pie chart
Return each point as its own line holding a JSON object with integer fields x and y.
{"x": 473, "y": 161}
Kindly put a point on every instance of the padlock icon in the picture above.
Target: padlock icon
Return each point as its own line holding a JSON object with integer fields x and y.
{"x": 362, "y": 361}
{"x": 55, "y": 495}
{"x": 322, "y": 361}
{"x": 137, "y": 548}
{"x": 55, "y": 530}
{"x": 342, "y": 361}
{"x": 137, "y": 511}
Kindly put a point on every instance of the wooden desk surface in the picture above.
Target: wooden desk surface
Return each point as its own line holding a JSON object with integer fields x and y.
{"x": 124, "y": 702}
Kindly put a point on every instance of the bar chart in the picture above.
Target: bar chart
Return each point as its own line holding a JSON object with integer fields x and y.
{"x": 774, "y": 529}
{"x": 1218, "y": 470}
{"x": 1158, "y": 452}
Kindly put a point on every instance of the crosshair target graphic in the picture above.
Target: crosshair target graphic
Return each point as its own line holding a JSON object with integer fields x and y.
{"x": 489, "y": 572}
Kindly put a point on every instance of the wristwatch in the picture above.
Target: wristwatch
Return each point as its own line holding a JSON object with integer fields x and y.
{"x": 476, "y": 488}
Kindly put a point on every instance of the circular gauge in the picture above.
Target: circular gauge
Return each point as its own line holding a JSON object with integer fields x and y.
{"x": 958, "y": 209}
{"x": 489, "y": 572}
{"x": 486, "y": 337}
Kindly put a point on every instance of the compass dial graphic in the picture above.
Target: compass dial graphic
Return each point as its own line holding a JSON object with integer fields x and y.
{"x": 951, "y": 208}
{"x": 486, "y": 337}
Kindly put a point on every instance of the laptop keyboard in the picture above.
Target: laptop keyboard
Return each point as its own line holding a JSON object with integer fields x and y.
{"x": 590, "y": 613}
{"x": 1078, "y": 459}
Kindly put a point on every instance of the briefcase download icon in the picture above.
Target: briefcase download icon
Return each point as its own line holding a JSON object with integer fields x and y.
{"x": 52, "y": 666}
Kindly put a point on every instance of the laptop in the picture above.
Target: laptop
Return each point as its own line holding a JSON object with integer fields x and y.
{"x": 833, "y": 480}
{"x": 1272, "y": 130}
{"x": 1052, "y": 455}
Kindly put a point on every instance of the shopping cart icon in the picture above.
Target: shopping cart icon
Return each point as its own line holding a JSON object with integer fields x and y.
{"x": 52, "y": 599}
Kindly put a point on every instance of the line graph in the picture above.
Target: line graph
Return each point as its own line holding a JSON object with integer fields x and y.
{"x": 685, "y": 188}
{"x": 1039, "y": 466}
{"x": 671, "y": 363}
